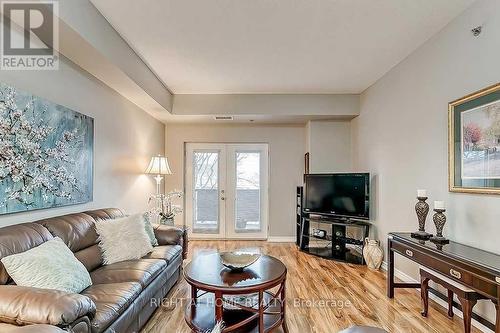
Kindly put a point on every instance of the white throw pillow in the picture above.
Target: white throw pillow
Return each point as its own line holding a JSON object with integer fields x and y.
{"x": 123, "y": 239}
{"x": 50, "y": 265}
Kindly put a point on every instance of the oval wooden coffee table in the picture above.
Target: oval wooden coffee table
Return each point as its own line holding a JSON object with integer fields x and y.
{"x": 252, "y": 300}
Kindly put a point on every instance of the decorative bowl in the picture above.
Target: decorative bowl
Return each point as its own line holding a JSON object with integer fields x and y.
{"x": 236, "y": 261}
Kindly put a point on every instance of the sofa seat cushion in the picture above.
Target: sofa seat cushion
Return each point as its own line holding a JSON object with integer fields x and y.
{"x": 142, "y": 271}
{"x": 111, "y": 300}
{"x": 165, "y": 252}
{"x": 8, "y": 328}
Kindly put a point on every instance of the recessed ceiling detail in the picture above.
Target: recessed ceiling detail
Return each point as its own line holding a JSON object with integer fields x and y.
{"x": 279, "y": 46}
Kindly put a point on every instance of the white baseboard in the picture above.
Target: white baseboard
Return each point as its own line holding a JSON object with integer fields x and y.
{"x": 406, "y": 278}
{"x": 270, "y": 239}
{"x": 280, "y": 239}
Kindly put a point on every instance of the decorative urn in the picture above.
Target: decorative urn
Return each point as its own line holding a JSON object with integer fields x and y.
{"x": 373, "y": 254}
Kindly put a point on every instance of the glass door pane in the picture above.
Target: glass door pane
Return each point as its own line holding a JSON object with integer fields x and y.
{"x": 205, "y": 192}
{"x": 247, "y": 186}
{"x": 205, "y": 178}
{"x": 248, "y": 205}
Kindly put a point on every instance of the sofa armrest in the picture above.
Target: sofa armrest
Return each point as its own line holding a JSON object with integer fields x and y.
{"x": 25, "y": 306}
{"x": 167, "y": 235}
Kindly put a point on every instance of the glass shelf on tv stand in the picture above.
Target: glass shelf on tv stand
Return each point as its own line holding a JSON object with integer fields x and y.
{"x": 336, "y": 220}
{"x": 343, "y": 241}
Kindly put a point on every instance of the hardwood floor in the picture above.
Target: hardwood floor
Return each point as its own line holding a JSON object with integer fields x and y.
{"x": 358, "y": 292}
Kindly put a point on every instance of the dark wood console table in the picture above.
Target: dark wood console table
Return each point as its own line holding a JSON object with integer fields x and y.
{"x": 474, "y": 268}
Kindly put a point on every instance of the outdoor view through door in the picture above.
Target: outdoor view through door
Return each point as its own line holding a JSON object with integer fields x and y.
{"x": 206, "y": 190}
{"x": 226, "y": 190}
{"x": 247, "y": 191}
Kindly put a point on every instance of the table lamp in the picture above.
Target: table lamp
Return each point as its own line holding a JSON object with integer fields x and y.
{"x": 158, "y": 166}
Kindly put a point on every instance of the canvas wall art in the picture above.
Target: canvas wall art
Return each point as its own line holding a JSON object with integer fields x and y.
{"x": 475, "y": 142}
{"x": 46, "y": 153}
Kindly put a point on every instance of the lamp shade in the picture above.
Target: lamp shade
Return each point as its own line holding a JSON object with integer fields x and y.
{"x": 159, "y": 166}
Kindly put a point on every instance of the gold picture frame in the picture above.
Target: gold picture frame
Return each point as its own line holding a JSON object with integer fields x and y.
{"x": 474, "y": 142}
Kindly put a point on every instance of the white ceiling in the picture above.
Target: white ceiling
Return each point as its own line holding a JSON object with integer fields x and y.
{"x": 275, "y": 46}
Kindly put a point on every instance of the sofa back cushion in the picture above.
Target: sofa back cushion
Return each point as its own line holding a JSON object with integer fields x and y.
{"x": 76, "y": 230}
{"x": 105, "y": 213}
{"x": 78, "y": 233}
{"x": 19, "y": 238}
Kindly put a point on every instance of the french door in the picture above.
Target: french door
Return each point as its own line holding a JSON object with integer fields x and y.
{"x": 226, "y": 190}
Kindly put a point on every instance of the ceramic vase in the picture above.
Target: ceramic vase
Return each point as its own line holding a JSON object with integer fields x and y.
{"x": 373, "y": 254}
{"x": 167, "y": 220}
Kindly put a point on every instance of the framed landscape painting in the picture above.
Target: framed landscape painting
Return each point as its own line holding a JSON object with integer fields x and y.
{"x": 474, "y": 142}
{"x": 46, "y": 153}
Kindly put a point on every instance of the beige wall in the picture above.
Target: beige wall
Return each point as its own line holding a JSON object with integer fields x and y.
{"x": 329, "y": 146}
{"x": 124, "y": 140}
{"x": 286, "y": 159}
{"x": 401, "y": 134}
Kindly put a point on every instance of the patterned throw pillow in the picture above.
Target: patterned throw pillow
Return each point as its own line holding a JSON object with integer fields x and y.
{"x": 50, "y": 265}
{"x": 123, "y": 239}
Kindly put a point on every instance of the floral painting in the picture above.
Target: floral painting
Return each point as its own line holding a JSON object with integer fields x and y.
{"x": 46, "y": 153}
{"x": 474, "y": 142}
{"x": 481, "y": 142}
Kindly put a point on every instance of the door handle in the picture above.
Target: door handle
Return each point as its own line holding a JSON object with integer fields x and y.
{"x": 222, "y": 198}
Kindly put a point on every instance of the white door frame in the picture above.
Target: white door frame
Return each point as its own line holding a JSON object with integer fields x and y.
{"x": 227, "y": 189}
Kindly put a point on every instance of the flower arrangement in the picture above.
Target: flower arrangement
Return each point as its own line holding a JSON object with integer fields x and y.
{"x": 164, "y": 208}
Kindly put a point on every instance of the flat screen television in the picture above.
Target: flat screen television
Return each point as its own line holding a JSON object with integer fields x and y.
{"x": 341, "y": 194}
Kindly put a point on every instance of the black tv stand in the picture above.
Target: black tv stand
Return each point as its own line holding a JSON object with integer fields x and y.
{"x": 345, "y": 220}
{"x": 331, "y": 237}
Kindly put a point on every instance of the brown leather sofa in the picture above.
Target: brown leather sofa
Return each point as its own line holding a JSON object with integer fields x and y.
{"x": 123, "y": 295}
